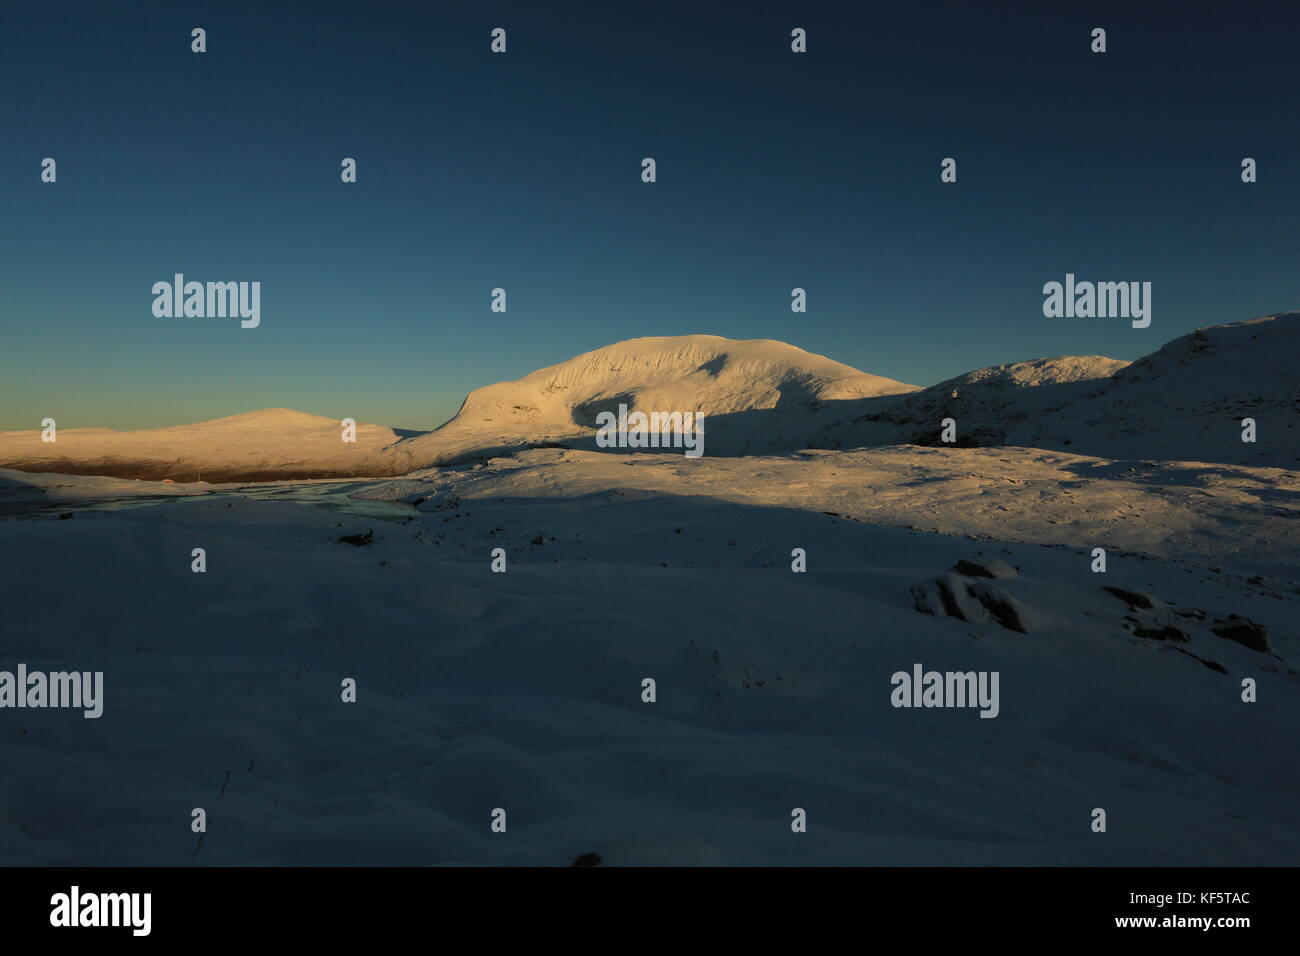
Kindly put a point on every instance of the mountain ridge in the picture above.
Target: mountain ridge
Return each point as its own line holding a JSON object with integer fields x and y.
{"x": 1184, "y": 401}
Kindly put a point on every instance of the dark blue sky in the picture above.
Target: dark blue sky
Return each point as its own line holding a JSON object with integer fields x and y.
{"x": 522, "y": 171}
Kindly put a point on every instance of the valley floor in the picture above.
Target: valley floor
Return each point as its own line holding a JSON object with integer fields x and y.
{"x": 523, "y": 690}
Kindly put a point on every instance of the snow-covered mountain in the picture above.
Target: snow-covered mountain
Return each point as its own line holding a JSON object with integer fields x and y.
{"x": 761, "y": 397}
{"x": 274, "y": 443}
{"x": 758, "y": 396}
{"x": 1184, "y": 402}
{"x": 987, "y": 404}
{"x": 1187, "y": 400}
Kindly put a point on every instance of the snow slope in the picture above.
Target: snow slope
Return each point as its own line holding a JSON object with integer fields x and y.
{"x": 274, "y": 443}
{"x": 1235, "y": 513}
{"x": 987, "y": 404}
{"x": 522, "y": 690}
{"x": 757, "y": 396}
{"x": 1185, "y": 401}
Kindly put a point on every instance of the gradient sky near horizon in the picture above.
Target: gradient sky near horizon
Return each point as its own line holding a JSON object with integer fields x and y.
{"x": 522, "y": 171}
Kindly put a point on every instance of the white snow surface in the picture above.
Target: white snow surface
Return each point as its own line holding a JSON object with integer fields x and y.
{"x": 757, "y": 396}
{"x": 522, "y": 690}
{"x": 1185, "y": 402}
{"x": 267, "y": 444}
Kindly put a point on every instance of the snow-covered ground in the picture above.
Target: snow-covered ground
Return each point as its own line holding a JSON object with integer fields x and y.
{"x": 522, "y": 690}
{"x": 477, "y": 690}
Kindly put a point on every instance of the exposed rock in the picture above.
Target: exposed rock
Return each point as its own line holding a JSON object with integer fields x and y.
{"x": 1244, "y": 631}
{"x": 985, "y": 568}
{"x": 974, "y": 601}
{"x": 1166, "y": 633}
{"x": 956, "y": 599}
{"x": 1134, "y": 599}
{"x": 1212, "y": 665}
{"x": 1004, "y": 609}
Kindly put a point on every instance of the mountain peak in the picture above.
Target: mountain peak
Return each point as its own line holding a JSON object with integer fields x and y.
{"x": 756, "y": 394}
{"x": 1184, "y": 401}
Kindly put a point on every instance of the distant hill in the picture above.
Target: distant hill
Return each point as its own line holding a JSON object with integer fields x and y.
{"x": 758, "y": 397}
{"x": 1183, "y": 402}
{"x": 266, "y": 445}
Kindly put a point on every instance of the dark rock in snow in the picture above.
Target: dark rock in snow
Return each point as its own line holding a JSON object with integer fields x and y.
{"x": 985, "y": 568}
{"x": 1002, "y": 606}
{"x": 1133, "y": 599}
{"x": 1244, "y": 631}
{"x": 1166, "y": 633}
